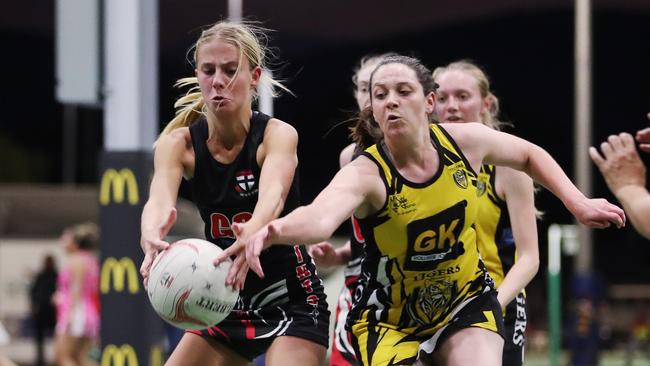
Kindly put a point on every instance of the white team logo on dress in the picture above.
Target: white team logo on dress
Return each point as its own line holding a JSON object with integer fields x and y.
{"x": 480, "y": 188}
{"x": 245, "y": 181}
{"x": 460, "y": 177}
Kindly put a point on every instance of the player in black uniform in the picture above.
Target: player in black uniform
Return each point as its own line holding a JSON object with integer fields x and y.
{"x": 241, "y": 165}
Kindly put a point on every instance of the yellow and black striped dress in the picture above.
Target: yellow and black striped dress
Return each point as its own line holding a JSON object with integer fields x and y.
{"x": 495, "y": 241}
{"x": 422, "y": 264}
{"x": 496, "y": 244}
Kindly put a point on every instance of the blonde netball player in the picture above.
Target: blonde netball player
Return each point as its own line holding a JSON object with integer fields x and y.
{"x": 507, "y": 224}
{"x": 241, "y": 165}
{"x": 426, "y": 295}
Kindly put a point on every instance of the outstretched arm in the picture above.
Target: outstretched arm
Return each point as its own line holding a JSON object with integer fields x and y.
{"x": 159, "y": 213}
{"x": 625, "y": 175}
{"x": 317, "y": 221}
{"x": 324, "y": 254}
{"x": 483, "y": 144}
{"x": 348, "y": 191}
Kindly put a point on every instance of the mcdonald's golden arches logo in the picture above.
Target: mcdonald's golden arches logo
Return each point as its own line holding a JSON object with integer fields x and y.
{"x": 121, "y": 271}
{"x": 120, "y": 181}
{"x": 156, "y": 356}
{"x": 125, "y": 355}
{"x": 119, "y": 356}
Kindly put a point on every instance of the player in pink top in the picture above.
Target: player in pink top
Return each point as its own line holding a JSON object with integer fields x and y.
{"x": 77, "y": 296}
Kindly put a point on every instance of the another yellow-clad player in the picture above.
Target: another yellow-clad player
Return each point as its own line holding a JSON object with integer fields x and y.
{"x": 506, "y": 227}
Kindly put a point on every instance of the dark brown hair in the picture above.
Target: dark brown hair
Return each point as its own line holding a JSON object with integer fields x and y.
{"x": 366, "y": 131}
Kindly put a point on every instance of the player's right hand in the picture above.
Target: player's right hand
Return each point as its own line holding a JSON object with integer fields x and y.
{"x": 151, "y": 248}
{"x": 152, "y": 243}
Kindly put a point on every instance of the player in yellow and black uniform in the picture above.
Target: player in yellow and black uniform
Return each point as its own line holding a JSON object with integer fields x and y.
{"x": 507, "y": 224}
{"x": 498, "y": 250}
{"x": 428, "y": 298}
{"x": 422, "y": 264}
{"x": 351, "y": 253}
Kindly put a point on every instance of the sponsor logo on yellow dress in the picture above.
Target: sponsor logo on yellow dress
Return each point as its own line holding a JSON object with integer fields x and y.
{"x": 400, "y": 204}
{"x": 435, "y": 238}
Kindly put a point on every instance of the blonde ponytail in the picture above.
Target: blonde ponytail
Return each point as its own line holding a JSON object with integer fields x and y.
{"x": 189, "y": 107}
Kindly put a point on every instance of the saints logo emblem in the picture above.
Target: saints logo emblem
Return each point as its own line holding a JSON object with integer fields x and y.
{"x": 460, "y": 177}
{"x": 245, "y": 181}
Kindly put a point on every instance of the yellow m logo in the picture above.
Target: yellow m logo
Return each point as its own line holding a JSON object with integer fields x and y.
{"x": 121, "y": 270}
{"x": 119, "y": 356}
{"x": 156, "y": 356}
{"x": 119, "y": 181}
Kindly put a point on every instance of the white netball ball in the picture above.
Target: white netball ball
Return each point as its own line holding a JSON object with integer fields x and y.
{"x": 186, "y": 289}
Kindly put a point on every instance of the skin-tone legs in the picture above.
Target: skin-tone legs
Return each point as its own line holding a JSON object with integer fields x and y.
{"x": 73, "y": 351}
{"x": 471, "y": 346}
{"x": 196, "y": 350}
{"x": 292, "y": 351}
{"x": 285, "y": 350}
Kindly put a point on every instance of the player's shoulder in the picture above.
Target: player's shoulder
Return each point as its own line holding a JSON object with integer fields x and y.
{"x": 347, "y": 154}
{"x": 276, "y": 124}
{"x": 280, "y": 132}
{"x": 177, "y": 140}
{"x": 177, "y": 136}
{"x": 365, "y": 168}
